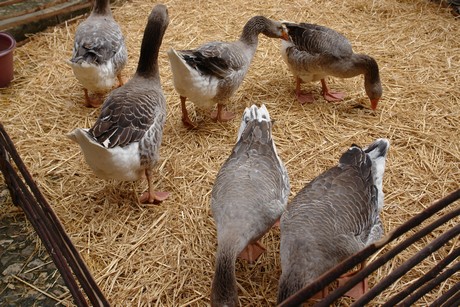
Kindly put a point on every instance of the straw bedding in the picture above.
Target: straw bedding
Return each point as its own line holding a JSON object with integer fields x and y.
{"x": 164, "y": 255}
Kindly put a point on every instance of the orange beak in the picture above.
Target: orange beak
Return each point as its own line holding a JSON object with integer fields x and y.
{"x": 285, "y": 35}
{"x": 374, "y": 103}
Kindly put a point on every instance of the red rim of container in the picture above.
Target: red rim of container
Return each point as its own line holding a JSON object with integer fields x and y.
{"x": 11, "y": 46}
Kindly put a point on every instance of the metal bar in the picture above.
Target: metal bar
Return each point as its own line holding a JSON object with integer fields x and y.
{"x": 48, "y": 225}
{"x": 422, "y": 280}
{"x": 409, "y": 264}
{"x": 328, "y": 277}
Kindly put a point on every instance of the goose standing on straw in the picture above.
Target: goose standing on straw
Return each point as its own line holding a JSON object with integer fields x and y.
{"x": 249, "y": 195}
{"x": 212, "y": 73}
{"x": 124, "y": 142}
{"x": 314, "y": 52}
{"x": 99, "y": 52}
{"x": 333, "y": 217}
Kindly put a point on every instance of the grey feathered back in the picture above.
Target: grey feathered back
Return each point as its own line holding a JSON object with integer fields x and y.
{"x": 99, "y": 39}
{"x": 249, "y": 195}
{"x": 332, "y": 217}
{"x": 136, "y": 112}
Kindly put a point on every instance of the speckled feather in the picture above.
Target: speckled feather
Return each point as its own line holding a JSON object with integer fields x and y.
{"x": 315, "y": 52}
{"x": 332, "y": 217}
{"x": 221, "y": 65}
{"x": 97, "y": 40}
{"x": 125, "y": 139}
{"x": 99, "y": 51}
{"x": 249, "y": 194}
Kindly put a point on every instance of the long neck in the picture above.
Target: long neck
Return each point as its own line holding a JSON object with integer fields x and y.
{"x": 252, "y": 29}
{"x": 224, "y": 291}
{"x": 151, "y": 42}
{"x": 102, "y": 7}
{"x": 295, "y": 278}
{"x": 371, "y": 74}
{"x": 360, "y": 64}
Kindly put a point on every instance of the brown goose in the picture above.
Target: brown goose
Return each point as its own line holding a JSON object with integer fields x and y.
{"x": 249, "y": 195}
{"x": 315, "y": 52}
{"x": 99, "y": 52}
{"x": 212, "y": 73}
{"x": 333, "y": 217}
{"x": 124, "y": 142}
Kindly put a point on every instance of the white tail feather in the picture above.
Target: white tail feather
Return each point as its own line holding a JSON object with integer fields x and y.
{"x": 377, "y": 152}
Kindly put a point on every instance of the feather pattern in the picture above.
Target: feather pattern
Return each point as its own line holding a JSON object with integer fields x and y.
{"x": 212, "y": 73}
{"x": 332, "y": 217}
{"x": 99, "y": 51}
{"x": 249, "y": 195}
{"x": 133, "y": 116}
{"x": 314, "y": 52}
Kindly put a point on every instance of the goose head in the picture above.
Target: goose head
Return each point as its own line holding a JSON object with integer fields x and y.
{"x": 372, "y": 83}
{"x": 260, "y": 24}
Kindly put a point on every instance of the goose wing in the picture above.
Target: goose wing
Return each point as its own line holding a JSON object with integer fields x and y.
{"x": 97, "y": 41}
{"x": 125, "y": 117}
{"x": 316, "y": 39}
{"x": 216, "y": 59}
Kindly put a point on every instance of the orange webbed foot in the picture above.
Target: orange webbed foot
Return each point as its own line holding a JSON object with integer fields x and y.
{"x": 223, "y": 116}
{"x": 357, "y": 291}
{"x": 333, "y": 96}
{"x": 303, "y": 97}
{"x": 93, "y": 102}
{"x": 252, "y": 252}
{"x": 153, "y": 198}
{"x": 189, "y": 123}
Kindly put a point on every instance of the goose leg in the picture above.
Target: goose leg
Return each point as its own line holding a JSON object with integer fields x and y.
{"x": 98, "y": 101}
{"x": 87, "y": 99}
{"x": 185, "y": 119}
{"x": 252, "y": 251}
{"x": 151, "y": 196}
{"x": 321, "y": 294}
{"x": 221, "y": 115}
{"x": 302, "y": 97}
{"x": 359, "y": 289}
{"x": 92, "y": 103}
{"x": 120, "y": 80}
{"x": 329, "y": 95}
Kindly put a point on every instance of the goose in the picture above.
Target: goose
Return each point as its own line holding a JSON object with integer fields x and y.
{"x": 314, "y": 52}
{"x": 212, "y": 73}
{"x": 124, "y": 142}
{"x": 99, "y": 53}
{"x": 249, "y": 195}
{"x": 333, "y": 217}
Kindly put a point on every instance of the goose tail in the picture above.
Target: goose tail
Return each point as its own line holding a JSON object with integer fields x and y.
{"x": 377, "y": 152}
{"x": 253, "y": 113}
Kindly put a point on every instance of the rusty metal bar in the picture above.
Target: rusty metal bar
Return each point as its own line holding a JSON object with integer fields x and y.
{"x": 324, "y": 280}
{"x": 410, "y": 290}
{"x": 47, "y": 225}
{"x": 407, "y": 265}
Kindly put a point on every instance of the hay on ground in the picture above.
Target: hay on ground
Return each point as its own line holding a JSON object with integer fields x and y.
{"x": 164, "y": 255}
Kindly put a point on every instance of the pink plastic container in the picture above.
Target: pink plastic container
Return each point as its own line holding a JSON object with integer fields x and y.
{"x": 7, "y": 44}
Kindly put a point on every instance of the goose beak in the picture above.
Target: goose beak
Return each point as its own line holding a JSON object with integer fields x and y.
{"x": 374, "y": 103}
{"x": 285, "y": 35}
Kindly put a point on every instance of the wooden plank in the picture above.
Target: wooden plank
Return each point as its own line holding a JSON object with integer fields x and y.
{"x": 26, "y": 8}
{"x": 49, "y": 12}
{"x": 9, "y": 2}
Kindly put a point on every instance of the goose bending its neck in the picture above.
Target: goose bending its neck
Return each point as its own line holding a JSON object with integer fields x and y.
{"x": 314, "y": 52}
{"x": 211, "y": 73}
